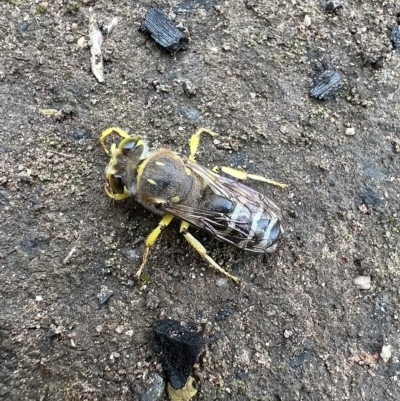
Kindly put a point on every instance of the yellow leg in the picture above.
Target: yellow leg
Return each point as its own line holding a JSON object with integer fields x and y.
{"x": 151, "y": 240}
{"x": 242, "y": 175}
{"x": 195, "y": 141}
{"x": 185, "y": 393}
{"x": 108, "y": 132}
{"x": 203, "y": 252}
{"x": 116, "y": 196}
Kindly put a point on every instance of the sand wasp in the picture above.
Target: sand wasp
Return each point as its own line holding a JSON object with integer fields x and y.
{"x": 175, "y": 186}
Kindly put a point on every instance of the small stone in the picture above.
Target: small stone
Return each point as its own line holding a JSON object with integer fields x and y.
{"x": 350, "y": 131}
{"x": 24, "y": 26}
{"x": 190, "y": 113}
{"x": 287, "y": 333}
{"x": 386, "y": 353}
{"x": 119, "y": 329}
{"x": 81, "y": 43}
{"x": 363, "y": 282}
{"x": 222, "y": 282}
{"x": 225, "y": 313}
{"x": 104, "y": 294}
{"x": 189, "y": 89}
{"x": 79, "y": 133}
{"x": 39, "y": 298}
{"x": 307, "y": 21}
{"x": 330, "y": 5}
{"x": 69, "y": 38}
{"x": 129, "y": 333}
{"x": 43, "y": 7}
{"x": 395, "y": 37}
{"x": 154, "y": 388}
{"x": 369, "y": 197}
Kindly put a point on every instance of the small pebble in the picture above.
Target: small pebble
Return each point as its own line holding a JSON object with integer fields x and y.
{"x": 222, "y": 282}
{"x": 395, "y": 37}
{"x": 190, "y": 113}
{"x": 363, "y": 282}
{"x": 129, "y": 333}
{"x": 154, "y": 390}
{"x": 349, "y": 131}
{"x": 81, "y": 43}
{"x": 78, "y": 133}
{"x": 24, "y": 26}
{"x": 330, "y": 5}
{"x": 386, "y": 353}
{"x": 307, "y": 21}
{"x": 43, "y": 7}
{"x": 104, "y": 295}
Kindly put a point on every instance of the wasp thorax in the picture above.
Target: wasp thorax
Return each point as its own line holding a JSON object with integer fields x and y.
{"x": 165, "y": 179}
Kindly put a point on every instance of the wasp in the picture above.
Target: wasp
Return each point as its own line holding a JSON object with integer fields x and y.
{"x": 172, "y": 185}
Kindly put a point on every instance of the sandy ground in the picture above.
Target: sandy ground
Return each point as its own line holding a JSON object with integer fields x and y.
{"x": 299, "y": 328}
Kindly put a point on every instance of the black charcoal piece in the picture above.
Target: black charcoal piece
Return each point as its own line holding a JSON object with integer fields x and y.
{"x": 163, "y": 31}
{"x": 369, "y": 197}
{"x": 395, "y": 37}
{"x": 326, "y": 85}
{"x": 330, "y": 5}
{"x": 179, "y": 347}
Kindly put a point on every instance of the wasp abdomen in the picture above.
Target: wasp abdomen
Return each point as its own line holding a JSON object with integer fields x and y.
{"x": 220, "y": 204}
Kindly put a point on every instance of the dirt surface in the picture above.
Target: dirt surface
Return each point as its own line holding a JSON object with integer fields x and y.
{"x": 299, "y": 328}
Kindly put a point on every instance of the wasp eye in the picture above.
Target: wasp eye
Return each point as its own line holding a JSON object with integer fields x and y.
{"x": 130, "y": 145}
{"x": 116, "y": 183}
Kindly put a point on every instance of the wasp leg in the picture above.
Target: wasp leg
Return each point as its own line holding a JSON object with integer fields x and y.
{"x": 115, "y": 196}
{"x": 184, "y": 393}
{"x": 203, "y": 252}
{"x": 195, "y": 141}
{"x": 242, "y": 175}
{"x": 151, "y": 240}
{"x": 108, "y": 132}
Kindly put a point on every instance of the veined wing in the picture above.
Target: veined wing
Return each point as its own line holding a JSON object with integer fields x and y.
{"x": 252, "y": 223}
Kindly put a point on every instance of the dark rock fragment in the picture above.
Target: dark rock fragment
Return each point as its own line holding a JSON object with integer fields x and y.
{"x": 369, "y": 197}
{"x": 154, "y": 388}
{"x": 327, "y": 85}
{"x": 179, "y": 346}
{"x": 78, "y": 133}
{"x": 395, "y": 37}
{"x": 330, "y": 5}
{"x": 190, "y": 113}
{"x": 163, "y": 31}
{"x": 104, "y": 295}
{"x": 225, "y": 313}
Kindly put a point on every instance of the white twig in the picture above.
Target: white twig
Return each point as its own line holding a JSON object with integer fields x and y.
{"x": 71, "y": 252}
{"x": 97, "y": 33}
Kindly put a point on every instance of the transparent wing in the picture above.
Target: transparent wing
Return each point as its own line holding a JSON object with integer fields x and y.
{"x": 251, "y": 224}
